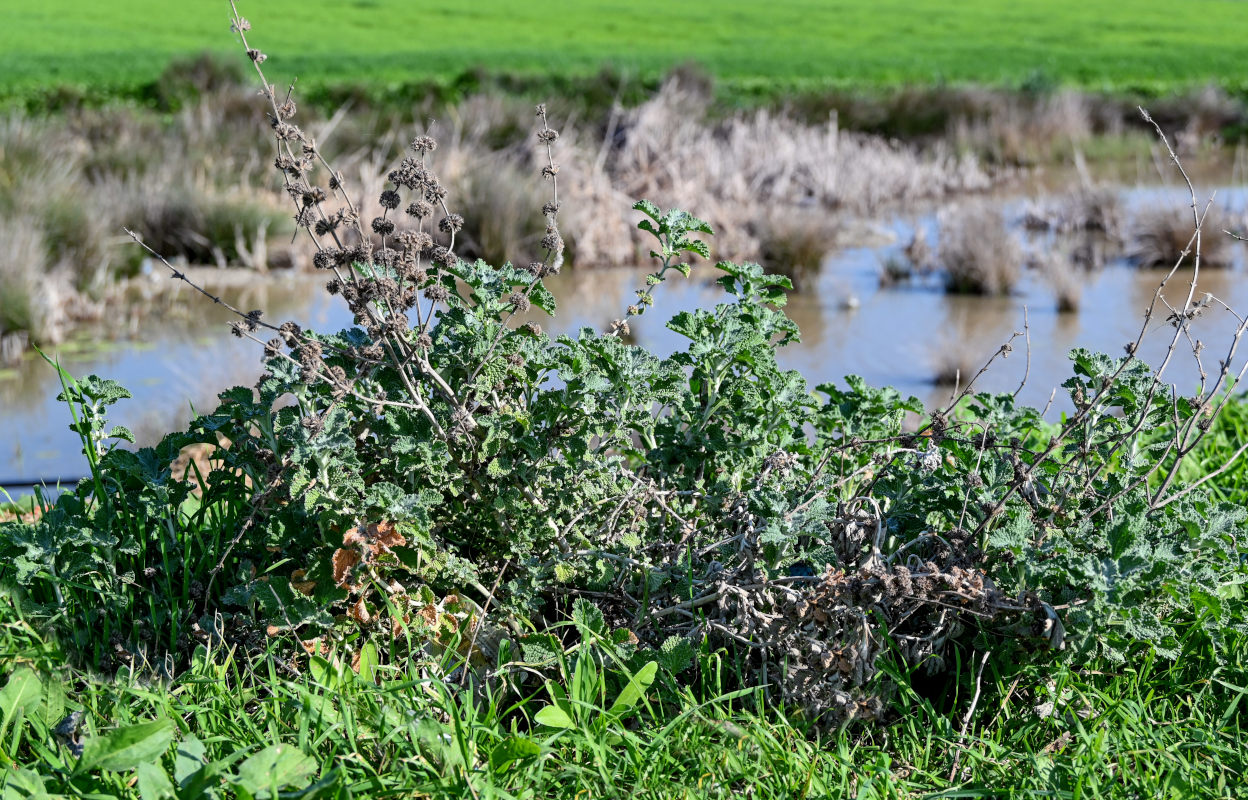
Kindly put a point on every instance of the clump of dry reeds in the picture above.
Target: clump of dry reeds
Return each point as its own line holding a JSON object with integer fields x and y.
{"x": 1162, "y": 238}
{"x": 1022, "y": 129}
{"x": 665, "y": 149}
{"x": 1092, "y": 209}
{"x": 978, "y": 252}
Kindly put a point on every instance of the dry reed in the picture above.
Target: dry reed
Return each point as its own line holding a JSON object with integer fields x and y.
{"x": 978, "y": 252}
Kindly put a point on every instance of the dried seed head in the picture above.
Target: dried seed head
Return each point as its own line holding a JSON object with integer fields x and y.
{"x": 532, "y": 328}
{"x": 423, "y": 342}
{"x": 389, "y": 199}
{"x": 550, "y": 170}
{"x": 520, "y": 301}
{"x": 541, "y": 109}
{"x": 272, "y": 347}
{"x": 290, "y": 332}
{"x": 424, "y": 144}
{"x": 310, "y": 356}
{"x": 451, "y": 223}
{"x": 435, "y": 192}
{"x": 416, "y": 241}
{"x": 437, "y": 293}
{"x": 239, "y": 25}
{"x": 547, "y": 136}
{"x": 323, "y": 260}
{"x": 286, "y": 110}
{"x": 257, "y": 56}
{"x": 552, "y": 241}
{"x": 419, "y": 209}
{"x": 386, "y": 257}
{"x": 352, "y": 255}
{"x": 550, "y": 208}
{"x": 410, "y": 173}
{"x": 382, "y": 226}
{"x": 334, "y": 286}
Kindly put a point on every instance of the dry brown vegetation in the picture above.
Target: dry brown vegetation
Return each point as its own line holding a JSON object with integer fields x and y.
{"x": 978, "y": 252}
{"x": 1161, "y": 237}
{"x": 197, "y": 187}
{"x": 1095, "y": 208}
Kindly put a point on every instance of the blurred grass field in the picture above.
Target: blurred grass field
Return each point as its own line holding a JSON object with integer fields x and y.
{"x": 1144, "y": 46}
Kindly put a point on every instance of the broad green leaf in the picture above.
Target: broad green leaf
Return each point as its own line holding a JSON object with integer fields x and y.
{"x": 274, "y": 767}
{"x": 368, "y": 662}
{"x": 22, "y": 691}
{"x": 126, "y": 748}
{"x": 511, "y": 749}
{"x": 23, "y": 783}
{"x": 553, "y": 716}
{"x": 188, "y": 759}
{"x": 153, "y": 783}
{"x": 635, "y": 688}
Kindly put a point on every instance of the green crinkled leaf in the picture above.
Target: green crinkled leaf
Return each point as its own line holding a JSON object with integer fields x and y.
{"x": 588, "y": 617}
{"x": 649, "y": 209}
{"x": 540, "y": 648}
{"x": 676, "y": 654}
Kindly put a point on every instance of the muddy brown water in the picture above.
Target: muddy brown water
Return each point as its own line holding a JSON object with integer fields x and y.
{"x": 900, "y": 335}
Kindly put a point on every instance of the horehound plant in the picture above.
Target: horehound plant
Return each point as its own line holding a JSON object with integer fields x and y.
{"x": 447, "y": 478}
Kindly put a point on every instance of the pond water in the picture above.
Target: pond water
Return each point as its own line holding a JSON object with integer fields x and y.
{"x": 900, "y": 335}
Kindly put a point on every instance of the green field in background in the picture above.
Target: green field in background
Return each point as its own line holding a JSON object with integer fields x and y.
{"x": 1147, "y": 45}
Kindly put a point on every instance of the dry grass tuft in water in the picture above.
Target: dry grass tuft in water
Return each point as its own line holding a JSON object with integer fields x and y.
{"x": 1095, "y": 209}
{"x": 977, "y": 251}
{"x": 1162, "y": 237}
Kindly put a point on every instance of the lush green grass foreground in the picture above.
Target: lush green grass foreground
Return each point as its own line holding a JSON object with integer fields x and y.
{"x": 1147, "y": 45}
{"x": 233, "y": 726}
